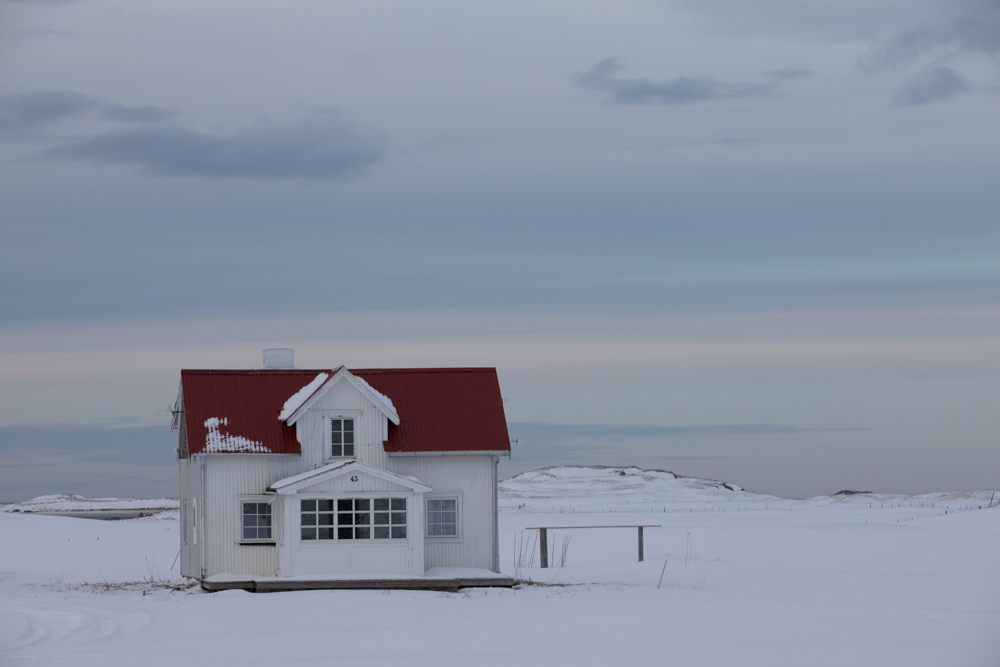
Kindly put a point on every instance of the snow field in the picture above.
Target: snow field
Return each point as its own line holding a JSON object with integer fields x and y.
{"x": 829, "y": 581}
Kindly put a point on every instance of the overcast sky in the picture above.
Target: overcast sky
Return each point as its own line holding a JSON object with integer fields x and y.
{"x": 751, "y": 241}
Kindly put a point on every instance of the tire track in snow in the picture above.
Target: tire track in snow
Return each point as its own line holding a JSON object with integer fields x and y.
{"x": 53, "y": 625}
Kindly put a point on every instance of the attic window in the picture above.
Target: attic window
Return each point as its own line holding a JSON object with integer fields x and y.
{"x": 342, "y": 437}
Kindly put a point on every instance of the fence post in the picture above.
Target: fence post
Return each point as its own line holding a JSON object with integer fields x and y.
{"x": 543, "y": 537}
{"x": 640, "y": 544}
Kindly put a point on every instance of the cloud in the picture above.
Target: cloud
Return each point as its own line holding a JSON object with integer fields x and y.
{"x": 682, "y": 90}
{"x": 138, "y": 114}
{"x": 30, "y": 111}
{"x": 962, "y": 36}
{"x": 935, "y": 84}
{"x": 735, "y": 142}
{"x": 786, "y": 74}
{"x": 324, "y": 148}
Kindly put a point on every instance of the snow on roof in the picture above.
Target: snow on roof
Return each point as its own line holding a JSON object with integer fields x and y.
{"x": 217, "y": 442}
{"x": 379, "y": 395}
{"x": 301, "y": 396}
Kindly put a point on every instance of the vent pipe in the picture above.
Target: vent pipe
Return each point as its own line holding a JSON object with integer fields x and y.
{"x": 279, "y": 358}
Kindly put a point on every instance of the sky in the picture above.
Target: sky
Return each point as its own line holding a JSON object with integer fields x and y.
{"x": 754, "y": 242}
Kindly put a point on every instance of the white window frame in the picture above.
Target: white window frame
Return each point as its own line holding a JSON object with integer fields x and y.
{"x": 269, "y": 500}
{"x": 457, "y": 497}
{"x": 328, "y": 440}
{"x": 371, "y": 541}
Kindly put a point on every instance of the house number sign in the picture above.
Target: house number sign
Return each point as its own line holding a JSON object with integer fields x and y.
{"x": 354, "y": 478}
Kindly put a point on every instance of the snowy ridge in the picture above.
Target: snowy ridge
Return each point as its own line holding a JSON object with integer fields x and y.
{"x": 600, "y": 489}
{"x": 65, "y": 502}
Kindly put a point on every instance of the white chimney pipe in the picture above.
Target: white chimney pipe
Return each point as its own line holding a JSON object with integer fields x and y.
{"x": 279, "y": 358}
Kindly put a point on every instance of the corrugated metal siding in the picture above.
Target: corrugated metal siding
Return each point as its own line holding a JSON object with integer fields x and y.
{"x": 472, "y": 476}
{"x": 443, "y": 409}
{"x": 227, "y": 478}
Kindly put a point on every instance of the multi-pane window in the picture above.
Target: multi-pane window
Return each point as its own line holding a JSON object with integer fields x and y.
{"x": 390, "y": 518}
{"x": 342, "y": 437}
{"x": 353, "y": 518}
{"x": 257, "y": 521}
{"x": 317, "y": 519}
{"x": 442, "y": 517}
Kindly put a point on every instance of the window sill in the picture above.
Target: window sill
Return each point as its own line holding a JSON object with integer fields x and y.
{"x": 338, "y": 459}
{"x": 441, "y": 538}
{"x": 352, "y": 544}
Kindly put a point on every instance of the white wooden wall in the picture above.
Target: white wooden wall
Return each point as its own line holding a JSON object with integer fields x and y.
{"x": 473, "y": 477}
{"x": 227, "y": 477}
{"x": 370, "y": 428}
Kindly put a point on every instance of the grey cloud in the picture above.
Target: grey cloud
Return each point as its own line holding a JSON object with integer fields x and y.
{"x": 325, "y": 148}
{"x": 935, "y": 84}
{"x": 735, "y": 142}
{"x": 30, "y": 111}
{"x": 682, "y": 90}
{"x": 965, "y": 35}
{"x": 786, "y": 74}
{"x": 138, "y": 114}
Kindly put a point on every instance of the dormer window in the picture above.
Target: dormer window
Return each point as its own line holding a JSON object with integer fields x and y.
{"x": 342, "y": 436}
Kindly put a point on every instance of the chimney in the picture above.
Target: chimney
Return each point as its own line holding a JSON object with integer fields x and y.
{"x": 279, "y": 358}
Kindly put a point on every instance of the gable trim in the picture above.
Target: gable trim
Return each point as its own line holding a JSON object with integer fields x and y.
{"x": 295, "y": 483}
{"x": 381, "y": 402}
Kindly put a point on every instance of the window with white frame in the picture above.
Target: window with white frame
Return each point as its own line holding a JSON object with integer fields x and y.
{"x": 353, "y": 518}
{"x": 442, "y": 517}
{"x": 257, "y": 525}
{"x": 341, "y": 436}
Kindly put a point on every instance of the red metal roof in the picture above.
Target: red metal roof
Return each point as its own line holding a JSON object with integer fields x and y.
{"x": 440, "y": 409}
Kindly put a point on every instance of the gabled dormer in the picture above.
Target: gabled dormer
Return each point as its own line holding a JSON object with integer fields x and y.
{"x": 338, "y": 416}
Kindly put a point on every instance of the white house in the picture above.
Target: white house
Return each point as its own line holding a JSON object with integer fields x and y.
{"x": 382, "y": 472}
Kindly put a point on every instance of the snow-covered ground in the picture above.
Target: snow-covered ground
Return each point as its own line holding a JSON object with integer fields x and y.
{"x": 865, "y": 579}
